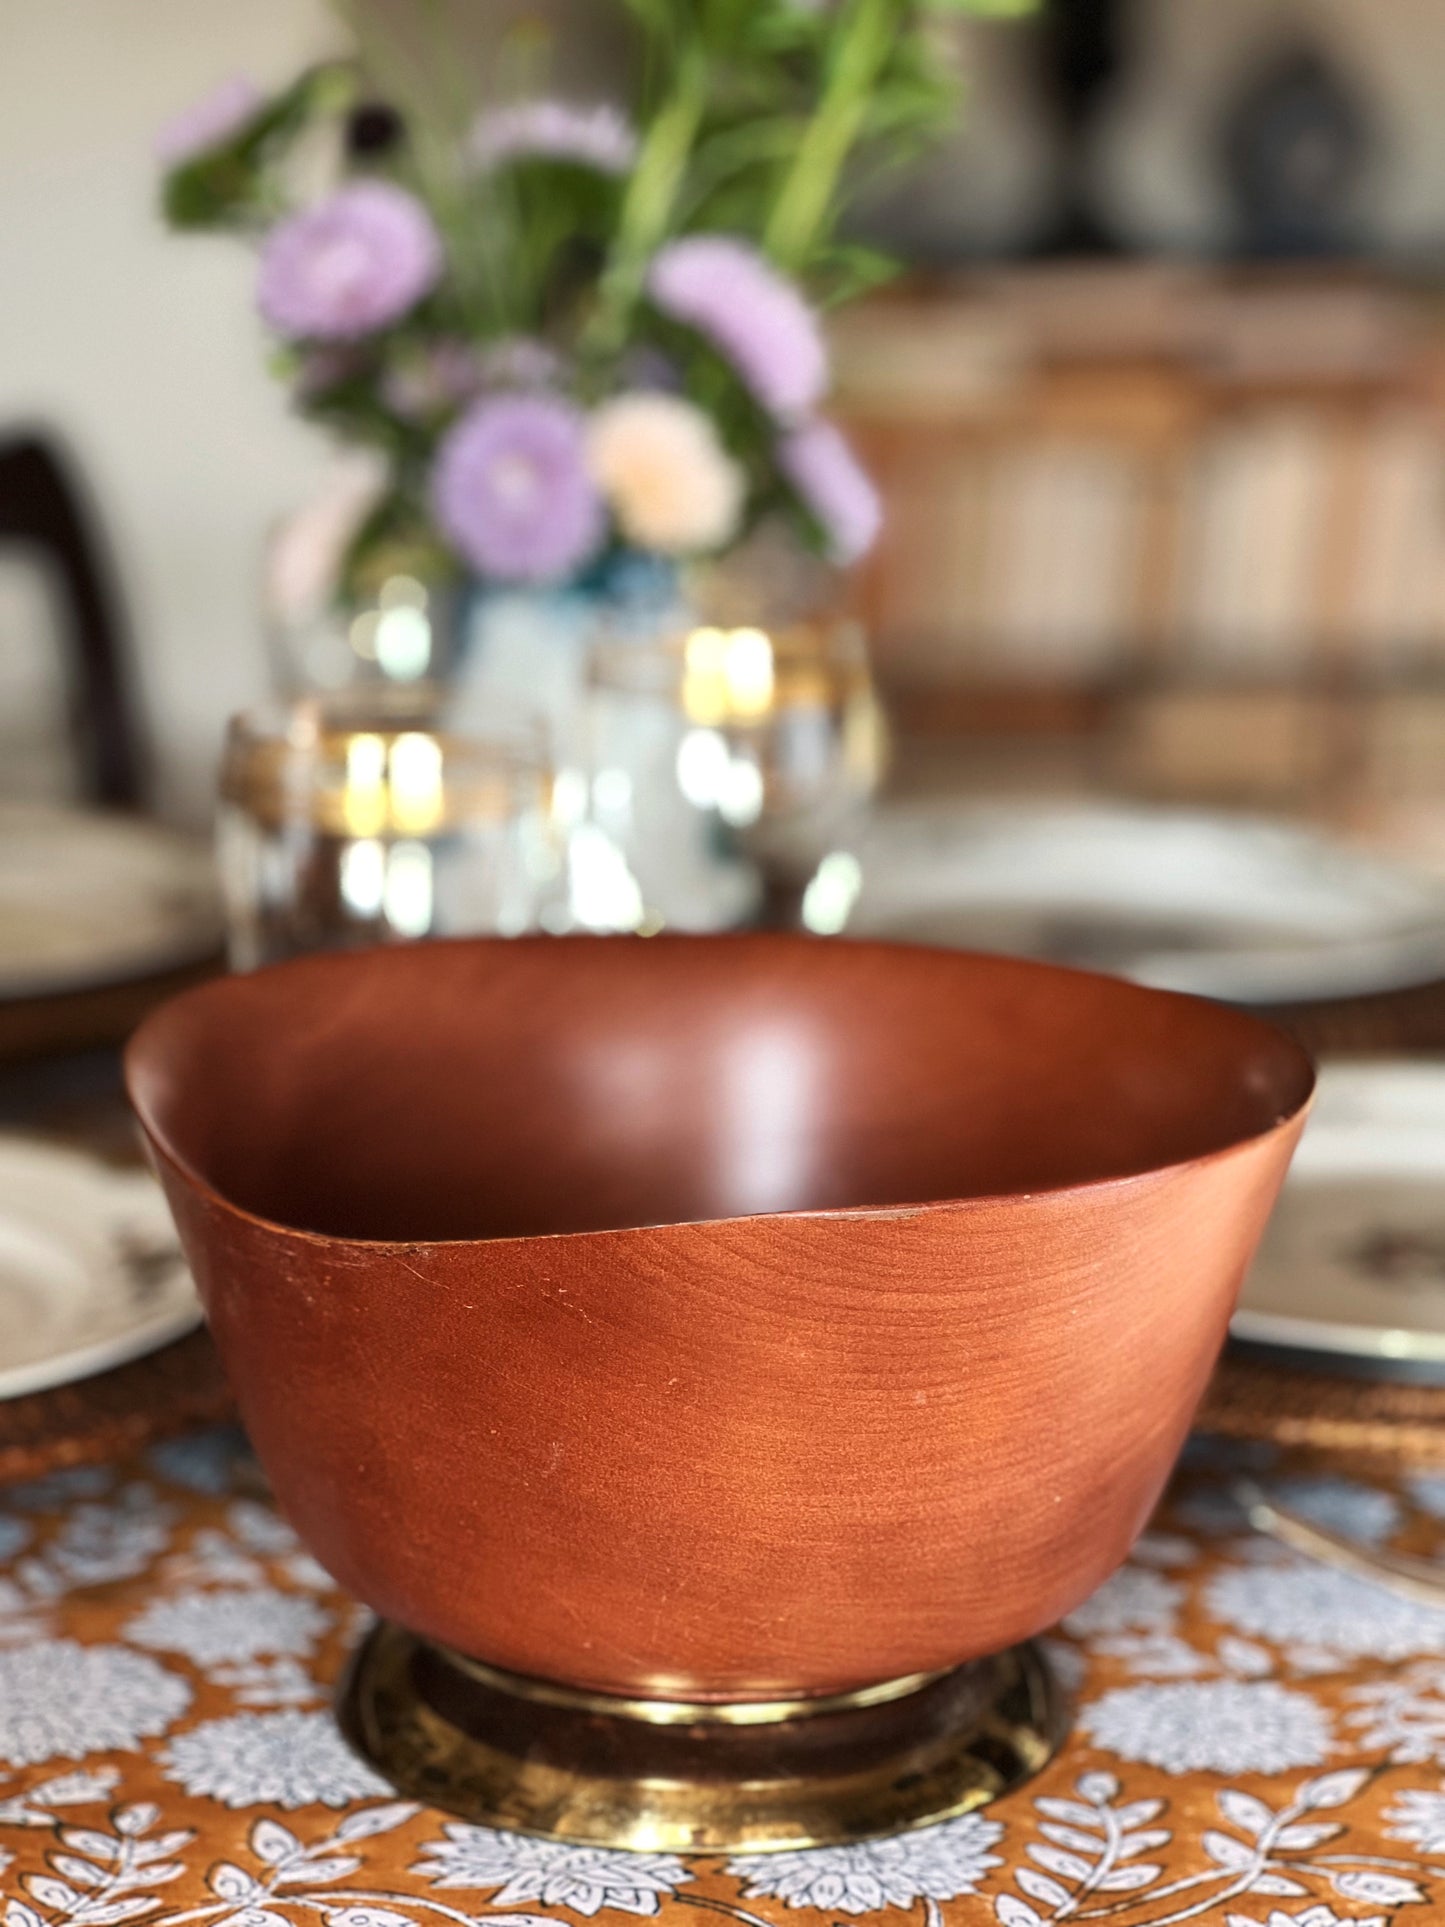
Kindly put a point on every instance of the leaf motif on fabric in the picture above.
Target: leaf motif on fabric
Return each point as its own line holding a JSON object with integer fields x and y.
{"x": 1333, "y": 1789}
{"x": 1040, "y": 1886}
{"x": 1125, "y": 1879}
{"x": 372, "y": 1820}
{"x": 1242, "y": 1810}
{"x": 229, "y": 1882}
{"x": 1055, "y": 1860}
{"x": 272, "y": 1842}
{"x": 1099, "y": 1788}
{"x": 1225, "y": 1851}
{"x": 308, "y": 1873}
{"x": 1013, "y": 1912}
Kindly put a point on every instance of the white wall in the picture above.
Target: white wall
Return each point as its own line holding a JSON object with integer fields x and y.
{"x": 141, "y": 346}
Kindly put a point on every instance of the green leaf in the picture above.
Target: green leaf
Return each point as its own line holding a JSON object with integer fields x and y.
{"x": 852, "y": 268}
{"x": 230, "y": 185}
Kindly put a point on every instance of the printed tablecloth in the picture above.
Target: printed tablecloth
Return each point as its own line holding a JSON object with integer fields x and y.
{"x": 1257, "y": 1740}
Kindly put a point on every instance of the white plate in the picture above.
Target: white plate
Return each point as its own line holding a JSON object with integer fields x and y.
{"x": 91, "y": 1274}
{"x": 1233, "y": 907}
{"x": 88, "y": 899}
{"x": 1352, "y": 1266}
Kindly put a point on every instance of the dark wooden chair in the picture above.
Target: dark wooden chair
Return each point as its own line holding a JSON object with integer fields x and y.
{"x": 44, "y": 507}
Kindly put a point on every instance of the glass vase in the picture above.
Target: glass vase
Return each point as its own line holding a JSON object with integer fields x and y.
{"x": 384, "y": 814}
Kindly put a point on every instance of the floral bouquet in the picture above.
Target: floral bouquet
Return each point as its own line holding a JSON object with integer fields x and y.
{"x": 572, "y": 332}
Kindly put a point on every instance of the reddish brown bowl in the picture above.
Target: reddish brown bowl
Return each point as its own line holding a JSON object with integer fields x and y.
{"x": 715, "y": 1316}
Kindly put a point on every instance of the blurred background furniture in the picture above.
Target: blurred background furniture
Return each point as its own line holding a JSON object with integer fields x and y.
{"x": 68, "y": 714}
{"x": 1170, "y": 530}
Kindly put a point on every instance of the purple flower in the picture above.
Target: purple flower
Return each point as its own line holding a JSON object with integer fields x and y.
{"x": 218, "y": 116}
{"x": 511, "y": 489}
{"x": 351, "y": 264}
{"x": 553, "y": 130}
{"x": 751, "y": 314}
{"x": 834, "y": 488}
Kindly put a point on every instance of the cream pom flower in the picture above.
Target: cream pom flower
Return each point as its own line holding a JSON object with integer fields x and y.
{"x": 669, "y": 481}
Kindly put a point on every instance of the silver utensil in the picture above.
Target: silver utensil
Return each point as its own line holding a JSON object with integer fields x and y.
{"x": 1419, "y": 1579}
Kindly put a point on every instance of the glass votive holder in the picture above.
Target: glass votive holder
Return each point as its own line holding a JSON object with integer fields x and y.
{"x": 724, "y": 763}
{"x": 382, "y": 814}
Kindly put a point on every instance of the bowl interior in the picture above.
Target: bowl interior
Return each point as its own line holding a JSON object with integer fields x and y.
{"x": 484, "y": 1089}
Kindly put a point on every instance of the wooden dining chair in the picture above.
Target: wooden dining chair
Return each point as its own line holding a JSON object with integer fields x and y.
{"x": 46, "y": 513}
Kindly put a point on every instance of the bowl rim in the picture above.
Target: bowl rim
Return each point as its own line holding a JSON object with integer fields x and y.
{"x": 161, "y": 1147}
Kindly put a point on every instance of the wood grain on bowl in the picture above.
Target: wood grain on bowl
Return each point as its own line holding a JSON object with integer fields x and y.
{"x": 727, "y": 1317}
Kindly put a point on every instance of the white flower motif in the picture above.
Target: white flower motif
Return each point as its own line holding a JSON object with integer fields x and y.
{"x": 202, "y": 1462}
{"x": 213, "y": 1559}
{"x": 1312, "y": 1659}
{"x": 1167, "y": 1550}
{"x": 1316, "y": 1916}
{"x": 1405, "y": 1714}
{"x": 103, "y": 1540}
{"x": 209, "y": 1627}
{"x": 935, "y": 1863}
{"x": 288, "y": 1759}
{"x": 59, "y": 1699}
{"x": 276, "y": 1682}
{"x": 1134, "y": 1600}
{"x": 1427, "y": 1489}
{"x": 261, "y": 1529}
{"x": 1067, "y": 1664}
{"x": 1419, "y": 1817}
{"x": 1216, "y": 1726}
{"x": 22, "y": 1619}
{"x": 1321, "y": 1608}
{"x": 14, "y": 1533}
{"x": 582, "y": 1879}
{"x": 56, "y": 1489}
{"x": 1339, "y": 1505}
{"x": 1243, "y": 1657}
{"x": 1154, "y": 1655}
{"x": 302, "y": 1570}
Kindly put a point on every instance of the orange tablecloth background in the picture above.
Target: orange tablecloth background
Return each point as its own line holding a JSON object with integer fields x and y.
{"x": 1256, "y": 1740}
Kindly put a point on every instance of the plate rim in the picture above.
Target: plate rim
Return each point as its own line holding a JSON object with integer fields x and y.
{"x": 81, "y": 1362}
{"x": 92, "y": 1357}
{"x": 1400, "y": 1348}
{"x": 1279, "y": 1330}
{"x": 1401, "y": 955}
{"x": 140, "y": 966}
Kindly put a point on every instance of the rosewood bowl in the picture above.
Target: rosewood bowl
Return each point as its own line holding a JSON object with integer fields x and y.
{"x": 718, "y": 1318}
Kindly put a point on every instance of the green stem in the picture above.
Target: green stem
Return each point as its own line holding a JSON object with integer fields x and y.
{"x": 806, "y": 200}
{"x": 434, "y": 99}
{"x": 650, "y": 201}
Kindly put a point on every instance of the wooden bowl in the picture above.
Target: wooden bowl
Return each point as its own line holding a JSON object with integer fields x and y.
{"x": 715, "y": 1317}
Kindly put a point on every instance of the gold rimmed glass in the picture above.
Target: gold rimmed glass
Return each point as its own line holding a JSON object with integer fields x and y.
{"x": 726, "y": 762}
{"x": 385, "y": 814}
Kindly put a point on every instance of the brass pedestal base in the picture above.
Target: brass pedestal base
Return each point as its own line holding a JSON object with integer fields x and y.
{"x": 663, "y": 1776}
